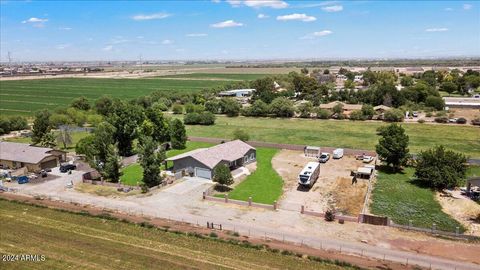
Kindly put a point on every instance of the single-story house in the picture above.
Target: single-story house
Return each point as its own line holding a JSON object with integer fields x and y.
{"x": 18, "y": 155}
{"x": 237, "y": 93}
{"x": 347, "y": 108}
{"x": 202, "y": 162}
{"x": 381, "y": 108}
{"x": 459, "y": 102}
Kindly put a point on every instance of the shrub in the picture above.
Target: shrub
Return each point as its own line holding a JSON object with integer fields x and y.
{"x": 230, "y": 107}
{"x": 421, "y": 121}
{"x": 204, "y": 118}
{"x": 189, "y": 108}
{"x": 160, "y": 106}
{"x": 240, "y": 134}
{"x": 394, "y": 115}
{"x": 258, "y": 108}
{"x": 144, "y": 188}
{"x": 441, "y": 119}
{"x": 357, "y": 115}
{"x": 282, "y": 107}
{"x": 222, "y": 175}
{"x": 323, "y": 114}
{"x": 329, "y": 215}
{"x": 461, "y": 120}
{"x": 212, "y": 106}
{"x": 81, "y": 103}
{"x": 305, "y": 109}
{"x": 213, "y": 235}
{"x": 177, "y": 109}
{"x": 368, "y": 111}
{"x": 428, "y": 114}
{"x": 435, "y": 102}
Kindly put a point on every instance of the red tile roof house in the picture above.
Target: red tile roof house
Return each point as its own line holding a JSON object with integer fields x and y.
{"x": 202, "y": 162}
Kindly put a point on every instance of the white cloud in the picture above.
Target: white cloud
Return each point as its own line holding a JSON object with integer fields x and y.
{"x": 277, "y": 4}
{"x": 436, "y": 29}
{"x": 297, "y": 17}
{"x": 155, "y": 16}
{"x": 65, "y": 28}
{"x": 216, "y": 1}
{"x": 196, "y": 35}
{"x": 167, "y": 42}
{"x": 326, "y": 3}
{"x": 35, "y": 20}
{"x": 225, "y": 24}
{"x": 107, "y": 48}
{"x": 62, "y": 46}
{"x": 262, "y": 16}
{"x": 322, "y": 33}
{"x": 140, "y": 37}
{"x": 317, "y": 34}
{"x": 448, "y": 9}
{"x": 467, "y": 6}
{"x": 335, "y": 8}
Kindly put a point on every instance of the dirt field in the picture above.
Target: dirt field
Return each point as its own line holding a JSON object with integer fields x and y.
{"x": 333, "y": 188}
{"x": 463, "y": 210}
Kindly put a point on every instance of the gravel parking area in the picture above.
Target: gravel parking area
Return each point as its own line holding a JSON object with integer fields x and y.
{"x": 333, "y": 188}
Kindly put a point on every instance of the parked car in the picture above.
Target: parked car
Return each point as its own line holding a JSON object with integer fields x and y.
{"x": 367, "y": 159}
{"x": 43, "y": 173}
{"x": 452, "y": 120}
{"x": 415, "y": 114}
{"x": 338, "y": 153}
{"x": 67, "y": 167}
{"x": 324, "y": 157}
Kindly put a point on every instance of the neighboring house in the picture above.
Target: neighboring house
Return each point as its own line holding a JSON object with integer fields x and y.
{"x": 18, "y": 155}
{"x": 459, "y": 102}
{"x": 237, "y": 93}
{"x": 381, "y": 109}
{"x": 202, "y": 162}
{"x": 347, "y": 108}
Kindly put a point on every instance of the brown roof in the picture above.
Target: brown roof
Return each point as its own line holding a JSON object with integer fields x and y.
{"x": 345, "y": 106}
{"x": 22, "y": 152}
{"x": 381, "y": 107}
{"x": 210, "y": 157}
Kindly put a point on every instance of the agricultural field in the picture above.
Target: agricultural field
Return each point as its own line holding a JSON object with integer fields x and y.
{"x": 264, "y": 185}
{"x": 76, "y": 136}
{"x": 217, "y": 76}
{"x": 24, "y": 97}
{"x": 348, "y": 134}
{"x": 77, "y": 241}
{"x": 396, "y": 195}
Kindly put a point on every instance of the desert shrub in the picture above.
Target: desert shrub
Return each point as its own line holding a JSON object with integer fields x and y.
{"x": 394, "y": 115}
{"x": 329, "y": 215}
{"x": 323, "y": 114}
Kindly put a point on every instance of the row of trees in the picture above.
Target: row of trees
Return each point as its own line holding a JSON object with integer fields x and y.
{"x": 437, "y": 168}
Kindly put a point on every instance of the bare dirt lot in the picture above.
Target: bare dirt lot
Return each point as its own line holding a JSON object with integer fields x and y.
{"x": 333, "y": 188}
{"x": 462, "y": 209}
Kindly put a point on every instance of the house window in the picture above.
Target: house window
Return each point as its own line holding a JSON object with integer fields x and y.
{"x": 245, "y": 159}
{"x": 252, "y": 156}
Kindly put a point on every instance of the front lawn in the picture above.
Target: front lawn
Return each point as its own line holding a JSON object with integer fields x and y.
{"x": 396, "y": 196}
{"x": 264, "y": 185}
{"x": 133, "y": 173}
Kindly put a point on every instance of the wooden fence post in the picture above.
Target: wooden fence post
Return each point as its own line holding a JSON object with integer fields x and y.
{"x": 302, "y": 209}
{"x": 226, "y": 198}
{"x": 250, "y": 201}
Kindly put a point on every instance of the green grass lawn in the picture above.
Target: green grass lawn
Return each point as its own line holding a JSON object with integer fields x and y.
{"x": 79, "y": 241}
{"x": 350, "y": 134}
{"x": 264, "y": 185}
{"x": 396, "y": 196}
{"x": 24, "y": 97}
{"x": 473, "y": 171}
{"x": 76, "y": 136}
{"x": 133, "y": 173}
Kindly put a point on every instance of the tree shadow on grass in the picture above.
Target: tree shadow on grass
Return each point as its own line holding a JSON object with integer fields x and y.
{"x": 222, "y": 188}
{"x": 389, "y": 170}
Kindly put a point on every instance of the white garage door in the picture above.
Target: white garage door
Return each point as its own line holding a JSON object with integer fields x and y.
{"x": 203, "y": 173}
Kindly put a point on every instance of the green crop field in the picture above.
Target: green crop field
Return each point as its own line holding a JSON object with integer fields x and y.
{"x": 264, "y": 185}
{"x": 397, "y": 197}
{"x": 73, "y": 241}
{"x": 27, "y": 96}
{"x": 349, "y": 134}
{"x": 218, "y": 76}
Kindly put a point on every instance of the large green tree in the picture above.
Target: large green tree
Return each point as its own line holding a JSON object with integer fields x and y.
{"x": 392, "y": 146}
{"x": 151, "y": 158}
{"x": 64, "y": 136}
{"x": 41, "y": 126}
{"x": 111, "y": 169}
{"x": 282, "y": 107}
{"x": 103, "y": 137}
{"x": 161, "y": 131}
{"x": 439, "y": 168}
{"x": 81, "y": 103}
{"x": 125, "y": 119}
{"x": 178, "y": 134}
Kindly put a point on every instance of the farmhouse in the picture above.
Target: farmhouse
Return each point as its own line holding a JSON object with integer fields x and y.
{"x": 237, "y": 93}
{"x": 202, "y": 162}
{"x": 347, "y": 108}
{"x": 34, "y": 159}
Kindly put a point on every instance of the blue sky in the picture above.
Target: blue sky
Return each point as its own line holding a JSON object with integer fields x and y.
{"x": 234, "y": 29}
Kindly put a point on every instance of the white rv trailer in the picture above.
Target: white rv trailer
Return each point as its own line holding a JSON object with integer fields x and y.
{"x": 309, "y": 175}
{"x": 338, "y": 153}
